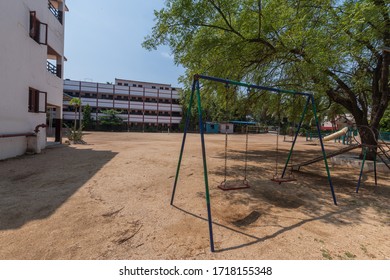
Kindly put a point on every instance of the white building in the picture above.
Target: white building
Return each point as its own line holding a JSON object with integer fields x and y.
{"x": 226, "y": 127}
{"x": 31, "y": 60}
{"x": 143, "y": 105}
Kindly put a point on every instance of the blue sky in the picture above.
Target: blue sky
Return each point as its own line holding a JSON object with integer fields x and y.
{"x": 103, "y": 42}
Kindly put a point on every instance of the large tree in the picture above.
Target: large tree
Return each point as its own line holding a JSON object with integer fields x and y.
{"x": 333, "y": 48}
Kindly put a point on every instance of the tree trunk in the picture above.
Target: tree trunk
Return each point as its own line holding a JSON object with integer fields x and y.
{"x": 369, "y": 136}
{"x": 75, "y": 119}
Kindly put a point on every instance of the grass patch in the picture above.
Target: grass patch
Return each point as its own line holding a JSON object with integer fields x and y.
{"x": 350, "y": 255}
{"x": 326, "y": 255}
{"x": 364, "y": 249}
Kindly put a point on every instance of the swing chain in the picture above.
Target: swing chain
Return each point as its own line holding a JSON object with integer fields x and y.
{"x": 277, "y": 139}
{"x": 226, "y": 146}
{"x": 246, "y": 156}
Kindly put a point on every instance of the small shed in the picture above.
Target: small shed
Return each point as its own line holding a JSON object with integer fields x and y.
{"x": 212, "y": 127}
{"x": 226, "y": 128}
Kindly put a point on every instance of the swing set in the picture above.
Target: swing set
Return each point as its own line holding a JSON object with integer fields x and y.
{"x": 245, "y": 184}
{"x": 276, "y": 178}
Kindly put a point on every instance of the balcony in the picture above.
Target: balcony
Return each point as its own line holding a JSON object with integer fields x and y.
{"x": 54, "y": 69}
{"x": 54, "y": 62}
{"x": 57, "y": 13}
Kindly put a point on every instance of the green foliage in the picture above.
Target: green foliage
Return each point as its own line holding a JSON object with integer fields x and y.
{"x": 328, "y": 47}
{"x": 75, "y": 101}
{"x": 75, "y": 135}
{"x": 87, "y": 119}
{"x": 385, "y": 121}
{"x": 110, "y": 120}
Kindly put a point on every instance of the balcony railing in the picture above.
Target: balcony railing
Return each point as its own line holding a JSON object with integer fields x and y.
{"x": 55, "y": 12}
{"x": 54, "y": 69}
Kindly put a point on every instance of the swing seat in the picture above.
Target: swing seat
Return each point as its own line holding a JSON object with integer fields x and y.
{"x": 282, "y": 180}
{"x": 245, "y": 185}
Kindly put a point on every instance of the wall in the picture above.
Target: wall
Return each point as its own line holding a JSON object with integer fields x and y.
{"x": 23, "y": 65}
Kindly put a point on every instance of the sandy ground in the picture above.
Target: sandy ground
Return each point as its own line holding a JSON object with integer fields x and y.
{"x": 110, "y": 199}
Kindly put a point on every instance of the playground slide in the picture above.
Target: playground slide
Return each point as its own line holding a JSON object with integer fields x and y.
{"x": 335, "y": 135}
{"x": 296, "y": 167}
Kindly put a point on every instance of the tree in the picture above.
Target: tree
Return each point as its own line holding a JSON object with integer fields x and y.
{"x": 76, "y": 103}
{"x": 87, "y": 119}
{"x": 336, "y": 49}
{"x": 110, "y": 119}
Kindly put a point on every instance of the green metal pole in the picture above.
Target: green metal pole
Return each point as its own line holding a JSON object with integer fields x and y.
{"x": 323, "y": 149}
{"x": 206, "y": 180}
{"x": 376, "y": 179}
{"x": 362, "y": 168}
{"x": 188, "y": 117}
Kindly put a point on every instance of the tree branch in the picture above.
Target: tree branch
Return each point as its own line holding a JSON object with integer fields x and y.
{"x": 225, "y": 19}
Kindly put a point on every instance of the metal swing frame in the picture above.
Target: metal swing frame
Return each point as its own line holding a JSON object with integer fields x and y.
{"x": 196, "y": 89}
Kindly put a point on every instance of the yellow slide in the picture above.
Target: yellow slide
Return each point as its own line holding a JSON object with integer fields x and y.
{"x": 335, "y": 135}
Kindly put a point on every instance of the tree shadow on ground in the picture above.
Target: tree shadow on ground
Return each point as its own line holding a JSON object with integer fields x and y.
{"x": 268, "y": 210}
{"x": 330, "y": 217}
{"x": 262, "y": 165}
{"x": 38, "y": 190}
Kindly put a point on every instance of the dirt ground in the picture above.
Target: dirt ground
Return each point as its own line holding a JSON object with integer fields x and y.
{"x": 110, "y": 199}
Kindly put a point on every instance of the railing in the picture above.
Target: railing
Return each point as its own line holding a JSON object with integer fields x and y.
{"x": 54, "y": 69}
{"x": 385, "y": 136}
{"x": 51, "y": 68}
{"x": 55, "y": 12}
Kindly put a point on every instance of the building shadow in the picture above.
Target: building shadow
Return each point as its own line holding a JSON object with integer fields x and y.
{"x": 33, "y": 187}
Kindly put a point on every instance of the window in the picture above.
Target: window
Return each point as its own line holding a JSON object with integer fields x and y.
{"x": 134, "y": 85}
{"x": 139, "y": 85}
{"x": 119, "y": 84}
{"x": 37, "y": 101}
{"x": 153, "y": 87}
{"x": 126, "y": 84}
{"x": 38, "y": 30}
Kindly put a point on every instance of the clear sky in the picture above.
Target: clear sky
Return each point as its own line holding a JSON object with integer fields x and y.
{"x": 103, "y": 41}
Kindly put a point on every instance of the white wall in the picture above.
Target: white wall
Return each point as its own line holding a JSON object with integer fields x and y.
{"x": 226, "y": 127}
{"x": 23, "y": 65}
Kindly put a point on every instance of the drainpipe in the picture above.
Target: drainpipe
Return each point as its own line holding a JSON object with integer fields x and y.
{"x": 36, "y": 130}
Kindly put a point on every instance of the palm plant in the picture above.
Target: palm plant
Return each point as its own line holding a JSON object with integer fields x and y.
{"x": 76, "y": 102}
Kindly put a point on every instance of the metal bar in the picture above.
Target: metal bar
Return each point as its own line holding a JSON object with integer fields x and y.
{"x": 361, "y": 169}
{"x": 226, "y": 81}
{"x": 323, "y": 149}
{"x": 55, "y": 12}
{"x": 16, "y": 135}
{"x": 51, "y": 67}
{"x": 184, "y": 141}
{"x": 206, "y": 182}
{"x": 328, "y": 155}
{"x": 376, "y": 179}
{"x": 296, "y": 136}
